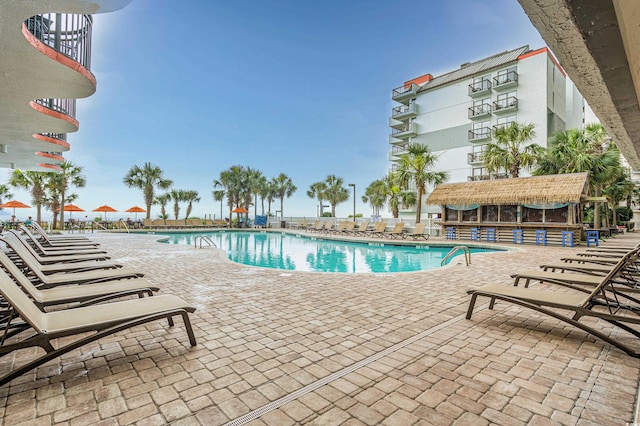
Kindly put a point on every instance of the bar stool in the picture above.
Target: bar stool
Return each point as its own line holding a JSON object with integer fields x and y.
{"x": 593, "y": 237}
{"x": 567, "y": 239}
{"x": 450, "y": 233}
{"x": 474, "y": 234}
{"x": 518, "y": 236}
{"x": 490, "y": 234}
{"x": 541, "y": 237}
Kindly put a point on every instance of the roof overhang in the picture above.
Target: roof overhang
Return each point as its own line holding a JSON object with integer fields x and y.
{"x": 598, "y": 45}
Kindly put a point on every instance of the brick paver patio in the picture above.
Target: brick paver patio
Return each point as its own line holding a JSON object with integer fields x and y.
{"x": 284, "y": 348}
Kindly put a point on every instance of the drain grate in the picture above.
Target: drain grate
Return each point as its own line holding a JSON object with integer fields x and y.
{"x": 257, "y": 413}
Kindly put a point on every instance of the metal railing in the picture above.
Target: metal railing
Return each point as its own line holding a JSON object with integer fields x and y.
{"x": 410, "y": 128}
{"x": 69, "y": 34}
{"x": 401, "y": 110}
{"x": 464, "y": 249}
{"x": 398, "y": 91}
{"x": 203, "y": 239}
{"x": 64, "y": 106}
{"x": 505, "y": 78}
{"x": 475, "y": 157}
{"x": 60, "y": 136}
{"x": 479, "y": 86}
{"x": 478, "y": 110}
{"x": 500, "y": 104}
{"x": 480, "y": 133}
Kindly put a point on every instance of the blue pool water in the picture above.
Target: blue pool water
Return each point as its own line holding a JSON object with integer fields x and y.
{"x": 294, "y": 252}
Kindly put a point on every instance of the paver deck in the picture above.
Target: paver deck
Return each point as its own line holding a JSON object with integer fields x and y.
{"x": 284, "y": 348}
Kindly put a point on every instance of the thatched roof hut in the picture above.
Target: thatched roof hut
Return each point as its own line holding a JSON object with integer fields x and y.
{"x": 528, "y": 190}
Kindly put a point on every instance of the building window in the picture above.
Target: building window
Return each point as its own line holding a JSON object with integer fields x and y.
{"x": 507, "y": 76}
{"x": 531, "y": 215}
{"x": 509, "y": 213}
{"x": 470, "y": 215}
{"x": 489, "y": 213}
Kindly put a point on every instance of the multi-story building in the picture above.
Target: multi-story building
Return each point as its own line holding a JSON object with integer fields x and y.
{"x": 44, "y": 67}
{"x": 457, "y": 113}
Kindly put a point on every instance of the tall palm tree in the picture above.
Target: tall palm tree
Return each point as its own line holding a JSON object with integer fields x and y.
{"x": 376, "y": 195}
{"x": 317, "y": 190}
{"x": 69, "y": 176}
{"x": 177, "y": 196}
{"x": 253, "y": 180}
{"x": 231, "y": 180}
{"x": 414, "y": 170}
{"x": 163, "y": 200}
{"x": 284, "y": 187}
{"x": 335, "y": 192}
{"x": 147, "y": 178}
{"x": 510, "y": 151}
{"x": 34, "y": 182}
{"x": 190, "y": 196}
{"x": 272, "y": 193}
{"x": 617, "y": 192}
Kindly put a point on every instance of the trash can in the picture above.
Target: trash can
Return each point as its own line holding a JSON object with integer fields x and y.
{"x": 283, "y": 224}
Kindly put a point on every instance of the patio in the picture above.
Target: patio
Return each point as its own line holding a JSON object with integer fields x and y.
{"x": 278, "y": 348}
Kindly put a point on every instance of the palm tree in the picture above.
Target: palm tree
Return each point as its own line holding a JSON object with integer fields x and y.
{"x": 177, "y": 195}
{"x": 163, "y": 200}
{"x": 147, "y": 178}
{"x": 272, "y": 193}
{"x": 335, "y": 192}
{"x": 69, "y": 175}
{"x": 510, "y": 152}
{"x": 253, "y": 181}
{"x": 231, "y": 181}
{"x": 218, "y": 195}
{"x": 190, "y": 196}
{"x": 317, "y": 190}
{"x": 616, "y": 192}
{"x": 584, "y": 150}
{"x": 284, "y": 187}
{"x": 413, "y": 169}
{"x": 376, "y": 195}
{"x": 34, "y": 182}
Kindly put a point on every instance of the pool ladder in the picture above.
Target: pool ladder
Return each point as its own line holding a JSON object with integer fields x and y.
{"x": 464, "y": 249}
{"x": 203, "y": 239}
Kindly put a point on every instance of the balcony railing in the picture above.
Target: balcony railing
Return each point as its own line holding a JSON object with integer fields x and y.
{"x": 479, "y": 110}
{"x": 479, "y": 134}
{"x": 69, "y": 34}
{"x": 65, "y": 106}
{"x": 475, "y": 157}
{"x": 504, "y": 105}
{"x": 403, "y": 93}
{"x": 404, "y": 111}
{"x": 505, "y": 80}
{"x": 479, "y": 87}
{"x": 60, "y": 136}
{"x": 478, "y": 177}
{"x": 404, "y": 131}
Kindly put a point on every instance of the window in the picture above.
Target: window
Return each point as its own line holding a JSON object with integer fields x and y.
{"x": 482, "y": 106}
{"x": 451, "y": 215}
{"x": 509, "y": 213}
{"x": 470, "y": 215}
{"x": 506, "y": 100}
{"x": 506, "y": 76}
{"x": 489, "y": 213}
{"x": 556, "y": 215}
{"x": 481, "y": 83}
{"x": 531, "y": 214}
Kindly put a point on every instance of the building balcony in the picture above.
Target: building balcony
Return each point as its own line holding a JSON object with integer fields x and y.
{"x": 505, "y": 81}
{"x": 397, "y": 152}
{"x": 64, "y": 106}
{"x": 478, "y": 177}
{"x": 479, "y": 111}
{"x": 479, "y": 135}
{"x": 404, "y": 94}
{"x": 69, "y": 34}
{"x": 405, "y": 132}
{"x": 474, "y": 158}
{"x": 504, "y": 106}
{"x": 480, "y": 88}
{"x": 404, "y": 112}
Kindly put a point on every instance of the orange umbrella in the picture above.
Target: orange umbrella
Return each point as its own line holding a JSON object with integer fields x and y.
{"x": 15, "y": 205}
{"x": 136, "y": 210}
{"x": 239, "y": 210}
{"x": 71, "y": 208}
{"x": 104, "y": 208}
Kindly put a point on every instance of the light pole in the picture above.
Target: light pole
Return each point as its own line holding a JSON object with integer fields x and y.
{"x": 354, "y": 200}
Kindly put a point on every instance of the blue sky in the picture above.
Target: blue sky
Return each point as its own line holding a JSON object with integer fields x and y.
{"x": 292, "y": 86}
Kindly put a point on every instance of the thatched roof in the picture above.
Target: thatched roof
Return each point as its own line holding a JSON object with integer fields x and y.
{"x": 527, "y": 190}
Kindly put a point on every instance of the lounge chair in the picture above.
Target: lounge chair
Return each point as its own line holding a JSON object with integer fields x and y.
{"x": 378, "y": 229}
{"x": 418, "y": 232}
{"x": 47, "y": 240}
{"x": 60, "y": 237}
{"x": 55, "y": 250}
{"x": 348, "y": 228}
{"x": 58, "y": 257}
{"x": 600, "y": 303}
{"x": 362, "y": 228}
{"x": 92, "y": 293}
{"x": 396, "y": 232}
{"x": 43, "y": 328}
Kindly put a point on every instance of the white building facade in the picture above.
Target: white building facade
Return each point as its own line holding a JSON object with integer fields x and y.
{"x": 456, "y": 113}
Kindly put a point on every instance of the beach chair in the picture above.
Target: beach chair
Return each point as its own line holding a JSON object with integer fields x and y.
{"x": 44, "y": 329}
{"x": 396, "y": 232}
{"x": 599, "y": 303}
{"x": 77, "y": 294}
{"x": 378, "y": 230}
{"x": 57, "y": 250}
{"x": 67, "y": 237}
{"x": 59, "y": 258}
{"x": 348, "y": 228}
{"x": 418, "y": 232}
{"x": 47, "y": 240}
{"x": 361, "y": 229}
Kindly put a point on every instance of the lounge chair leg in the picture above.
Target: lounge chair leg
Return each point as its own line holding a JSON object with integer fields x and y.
{"x": 187, "y": 326}
{"x": 492, "y": 303}
{"x": 472, "y": 304}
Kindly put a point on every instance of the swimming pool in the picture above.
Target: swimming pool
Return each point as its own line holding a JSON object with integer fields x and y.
{"x": 294, "y": 252}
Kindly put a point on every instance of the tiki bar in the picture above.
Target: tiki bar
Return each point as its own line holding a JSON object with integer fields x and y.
{"x": 535, "y": 210}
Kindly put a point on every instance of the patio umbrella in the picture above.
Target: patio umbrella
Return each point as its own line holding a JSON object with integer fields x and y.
{"x": 136, "y": 210}
{"x": 241, "y": 210}
{"x": 15, "y": 204}
{"x": 104, "y": 208}
{"x": 71, "y": 208}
